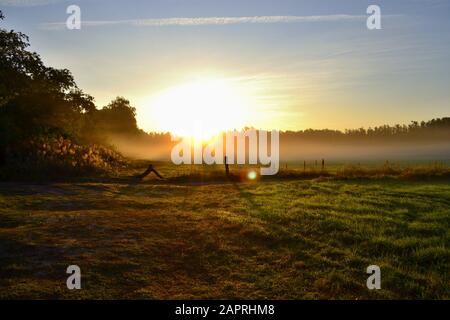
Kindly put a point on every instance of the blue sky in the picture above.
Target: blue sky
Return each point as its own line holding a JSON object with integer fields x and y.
{"x": 321, "y": 69}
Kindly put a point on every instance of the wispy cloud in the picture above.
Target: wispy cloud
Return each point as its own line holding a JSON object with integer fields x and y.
{"x": 27, "y": 3}
{"x": 208, "y": 21}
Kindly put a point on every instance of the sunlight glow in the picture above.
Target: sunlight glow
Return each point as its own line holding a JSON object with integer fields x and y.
{"x": 202, "y": 108}
{"x": 252, "y": 175}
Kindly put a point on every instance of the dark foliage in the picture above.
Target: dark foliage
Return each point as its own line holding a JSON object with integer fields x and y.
{"x": 40, "y": 101}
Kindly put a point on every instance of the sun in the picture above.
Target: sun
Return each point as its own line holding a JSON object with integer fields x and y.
{"x": 202, "y": 109}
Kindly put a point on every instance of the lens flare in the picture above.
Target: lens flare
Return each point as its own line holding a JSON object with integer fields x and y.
{"x": 252, "y": 175}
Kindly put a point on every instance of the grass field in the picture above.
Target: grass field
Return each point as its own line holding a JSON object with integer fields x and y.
{"x": 276, "y": 239}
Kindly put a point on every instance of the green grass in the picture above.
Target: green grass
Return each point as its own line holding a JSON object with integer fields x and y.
{"x": 276, "y": 239}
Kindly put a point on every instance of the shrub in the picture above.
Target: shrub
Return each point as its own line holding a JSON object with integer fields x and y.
{"x": 50, "y": 156}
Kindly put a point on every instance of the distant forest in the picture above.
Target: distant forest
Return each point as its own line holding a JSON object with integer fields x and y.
{"x": 39, "y": 102}
{"x": 435, "y": 129}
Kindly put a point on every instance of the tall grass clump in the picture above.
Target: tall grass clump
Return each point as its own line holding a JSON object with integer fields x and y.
{"x": 56, "y": 156}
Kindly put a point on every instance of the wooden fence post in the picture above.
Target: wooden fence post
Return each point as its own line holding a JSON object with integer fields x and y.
{"x": 227, "y": 169}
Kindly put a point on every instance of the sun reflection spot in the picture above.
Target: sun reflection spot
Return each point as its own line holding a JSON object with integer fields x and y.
{"x": 252, "y": 175}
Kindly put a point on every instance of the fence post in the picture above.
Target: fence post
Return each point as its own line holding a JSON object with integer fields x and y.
{"x": 227, "y": 169}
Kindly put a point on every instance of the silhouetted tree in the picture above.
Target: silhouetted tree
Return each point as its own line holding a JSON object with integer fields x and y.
{"x": 118, "y": 117}
{"x": 34, "y": 98}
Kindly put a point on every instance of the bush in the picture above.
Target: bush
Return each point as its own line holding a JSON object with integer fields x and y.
{"x": 50, "y": 156}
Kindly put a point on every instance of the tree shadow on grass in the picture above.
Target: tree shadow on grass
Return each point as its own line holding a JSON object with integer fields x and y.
{"x": 253, "y": 205}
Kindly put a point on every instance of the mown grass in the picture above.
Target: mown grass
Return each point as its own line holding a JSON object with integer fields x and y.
{"x": 276, "y": 239}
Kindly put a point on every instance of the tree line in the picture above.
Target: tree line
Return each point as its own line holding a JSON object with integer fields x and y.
{"x": 436, "y": 130}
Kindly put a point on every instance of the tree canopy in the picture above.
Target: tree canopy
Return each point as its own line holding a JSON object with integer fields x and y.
{"x": 36, "y": 99}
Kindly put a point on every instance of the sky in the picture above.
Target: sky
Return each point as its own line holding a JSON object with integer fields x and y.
{"x": 271, "y": 64}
